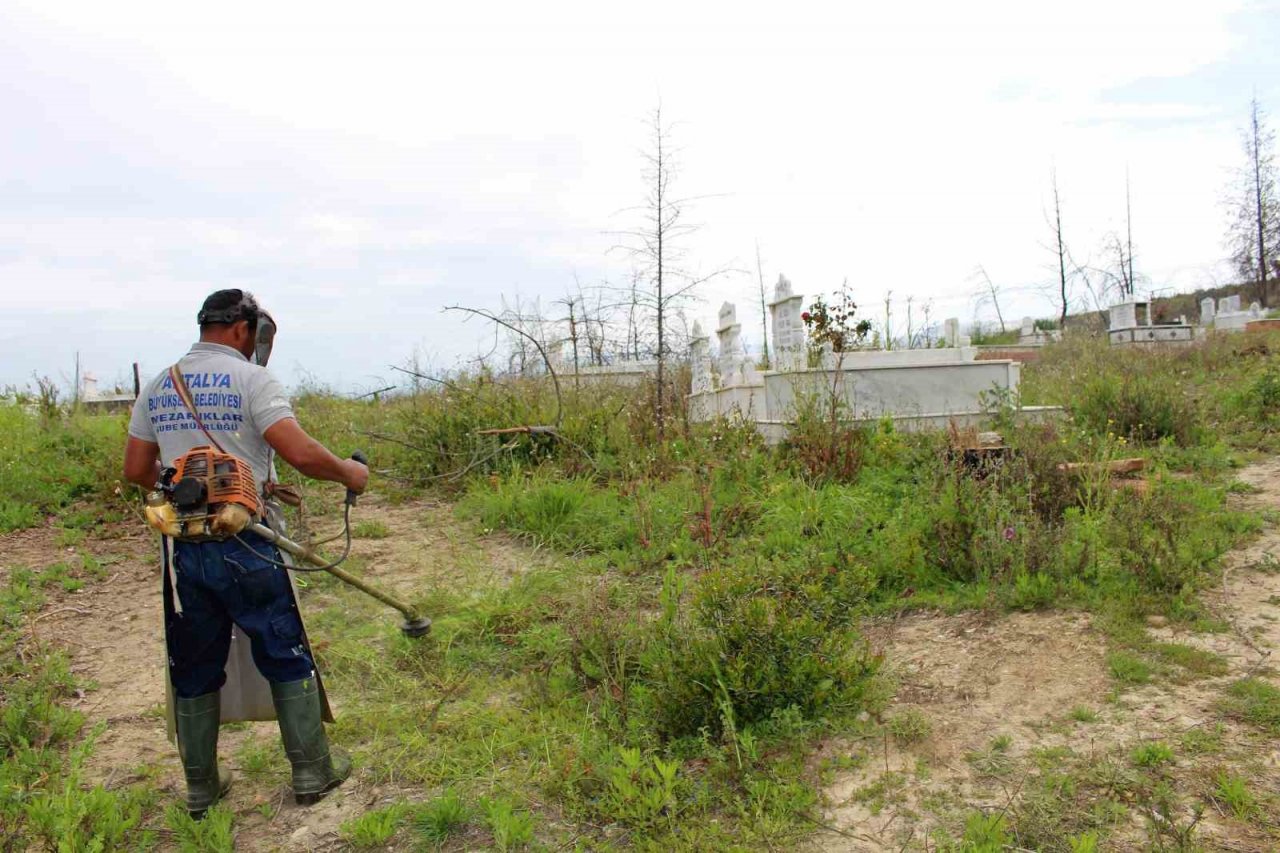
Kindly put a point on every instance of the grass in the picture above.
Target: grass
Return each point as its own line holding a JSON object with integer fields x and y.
{"x": 43, "y": 798}
{"x": 1233, "y": 792}
{"x": 1152, "y": 755}
{"x": 50, "y": 465}
{"x": 1256, "y": 702}
{"x": 909, "y": 726}
{"x": 375, "y": 828}
{"x": 1128, "y": 668}
{"x": 370, "y": 529}
{"x": 694, "y": 632}
{"x": 441, "y": 819}
{"x": 1197, "y": 662}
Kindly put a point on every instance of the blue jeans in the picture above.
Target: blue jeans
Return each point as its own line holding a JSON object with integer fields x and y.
{"x": 220, "y": 583}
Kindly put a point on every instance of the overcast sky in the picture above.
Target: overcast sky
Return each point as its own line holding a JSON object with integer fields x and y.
{"x": 361, "y": 165}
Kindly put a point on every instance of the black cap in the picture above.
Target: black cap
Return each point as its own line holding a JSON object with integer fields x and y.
{"x": 229, "y": 306}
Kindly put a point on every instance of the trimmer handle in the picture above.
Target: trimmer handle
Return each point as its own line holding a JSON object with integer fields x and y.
{"x": 358, "y": 456}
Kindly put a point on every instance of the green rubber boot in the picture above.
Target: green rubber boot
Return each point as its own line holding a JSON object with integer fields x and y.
{"x": 197, "y": 725}
{"x": 316, "y": 769}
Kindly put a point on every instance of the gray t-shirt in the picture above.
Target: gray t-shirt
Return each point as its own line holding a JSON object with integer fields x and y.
{"x": 237, "y": 401}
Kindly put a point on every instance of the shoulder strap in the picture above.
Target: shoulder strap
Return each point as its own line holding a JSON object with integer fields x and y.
{"x": 184, "y": 394}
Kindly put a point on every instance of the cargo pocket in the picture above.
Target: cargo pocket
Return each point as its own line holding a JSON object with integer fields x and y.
{"x": 286, "y": 630}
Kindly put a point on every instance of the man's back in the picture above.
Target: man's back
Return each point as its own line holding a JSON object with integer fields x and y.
{"x": 237, "y": 402}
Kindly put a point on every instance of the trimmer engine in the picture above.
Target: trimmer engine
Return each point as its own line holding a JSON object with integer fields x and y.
{"x": 206, "y": 495}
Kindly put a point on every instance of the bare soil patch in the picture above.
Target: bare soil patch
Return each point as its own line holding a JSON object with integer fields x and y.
{"x": 1000, "y": 691}
{"x": 112, "y": 629}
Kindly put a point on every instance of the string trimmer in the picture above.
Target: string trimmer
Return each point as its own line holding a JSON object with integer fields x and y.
{"x": 209, "y": 495}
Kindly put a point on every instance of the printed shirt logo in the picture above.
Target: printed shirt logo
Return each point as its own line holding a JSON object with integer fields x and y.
{"x": 219, "y": 410}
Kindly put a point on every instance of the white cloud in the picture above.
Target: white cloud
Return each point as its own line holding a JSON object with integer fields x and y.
{"x": 368, "y": 164}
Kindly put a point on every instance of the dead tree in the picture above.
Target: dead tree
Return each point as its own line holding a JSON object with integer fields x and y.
{"x": 1060, "y": 248}
{"x": 988, "y": 292}
{"x": 764, "y": 309}
{"x": 1253, "y": 235}
{"x": 657, "y": 248}
{"x": 1128, "y": 229}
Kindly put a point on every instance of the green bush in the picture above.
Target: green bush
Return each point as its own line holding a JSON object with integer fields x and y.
{"x": 1140, "y": 408}
{"x": 1259, "y": 400}
{"x": 44, "y": 468}
{"x": 762, "y": 638}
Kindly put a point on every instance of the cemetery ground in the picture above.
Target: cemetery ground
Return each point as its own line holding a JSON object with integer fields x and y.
{"x": 855, "y": 641}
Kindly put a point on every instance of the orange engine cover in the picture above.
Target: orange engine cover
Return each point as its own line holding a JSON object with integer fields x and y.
{"x": 227, "y": 479}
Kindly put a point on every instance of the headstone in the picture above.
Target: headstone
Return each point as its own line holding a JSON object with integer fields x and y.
{"x": 1124, "y": 315}
{"x": 829, "y": 358}
{"x": 732, "y": 355}
{"x": 951, "y": 332}
{"x": 1028, "y": 329}
{"x": 788, "y": 328}
{"x": 88, "y": 387}
{"x": 701, "y": 357}
{"x": 1229, "y": 304}
{"x": 1206, "y": 311}
{"x": 555, "y": 355}
{"x": 1255, "y": 309}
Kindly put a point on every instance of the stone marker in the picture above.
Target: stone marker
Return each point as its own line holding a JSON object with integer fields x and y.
{"x": 788, "y": 327}
{"x": 951, "y": 332}
{"x": 732, "y": 355}
{"x": 701, "y": 357}
{"x": 1124, "y": 315}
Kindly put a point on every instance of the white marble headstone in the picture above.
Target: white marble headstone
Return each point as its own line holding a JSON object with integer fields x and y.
{"x": 732, "y": 355}
{"x": 700, "y": 356}
{"x": 1206, "y": 310}
{"x": 728, "y": 316}
{"x": 788, "y": 326}
{"x": 951, "y": 332}
{"x": 1124, "y": 315}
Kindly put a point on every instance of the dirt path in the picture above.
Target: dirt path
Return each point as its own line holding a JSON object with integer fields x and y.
{"x": 998, "y": 695}
{"x": 112, "y": 629}
{"x": 1006, "y": 699}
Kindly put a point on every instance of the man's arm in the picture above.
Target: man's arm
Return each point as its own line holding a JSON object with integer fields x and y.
{"x": 312, "y": 458}
{"x": 142, "y": 462}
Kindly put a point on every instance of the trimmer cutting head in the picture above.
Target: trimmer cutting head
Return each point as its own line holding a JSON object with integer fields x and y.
{"x": 415, "y": 628}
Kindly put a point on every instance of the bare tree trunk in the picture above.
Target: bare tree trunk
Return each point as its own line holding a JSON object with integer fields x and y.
{"x": 573, "y": 337}
{"x": 1260, "y": 207}
{"x": 764, "y": 310}
{"x": 661, "y": 233}
{"x": 888, "y": 320}
{"x": 1128, "y": 225}
{"x": 1062, "y": 251}
{"x": 633, "y": 332}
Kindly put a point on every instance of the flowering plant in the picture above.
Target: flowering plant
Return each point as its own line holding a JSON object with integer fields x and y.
{"x": 834, "y": 322}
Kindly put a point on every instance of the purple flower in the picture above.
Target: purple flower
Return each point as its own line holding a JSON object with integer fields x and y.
{"x": 1010, "y": 534}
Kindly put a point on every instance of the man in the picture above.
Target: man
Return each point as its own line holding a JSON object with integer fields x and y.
{"x": 209, "y": 585}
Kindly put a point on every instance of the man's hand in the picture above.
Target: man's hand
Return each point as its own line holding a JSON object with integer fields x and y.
{"x": 357, "y": 476}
